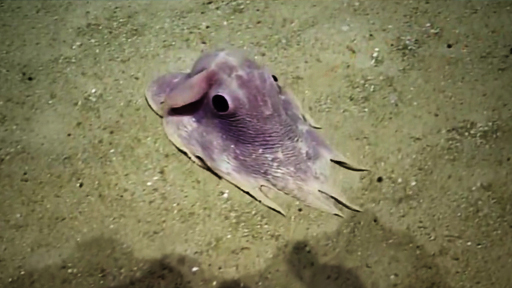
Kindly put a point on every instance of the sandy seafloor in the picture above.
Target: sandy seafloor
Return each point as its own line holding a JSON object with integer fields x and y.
{"x": 93, "y": 194}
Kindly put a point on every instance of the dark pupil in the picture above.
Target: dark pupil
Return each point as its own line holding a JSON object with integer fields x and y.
{"x": 274, "y": 77}
{"x": 220, "y": 103}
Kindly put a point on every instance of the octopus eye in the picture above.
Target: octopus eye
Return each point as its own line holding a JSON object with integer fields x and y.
{"x": 220, "y": 103}
{"x": 274, "y": 77}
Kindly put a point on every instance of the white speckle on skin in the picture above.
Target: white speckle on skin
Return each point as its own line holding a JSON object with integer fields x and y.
{"x": 224, "y": 164}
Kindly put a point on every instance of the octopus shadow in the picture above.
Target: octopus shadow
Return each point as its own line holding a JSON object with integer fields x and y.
{"x": 362, "y": 253}
{"x": 357, "y": 254}
{"x": 104, "y": 262}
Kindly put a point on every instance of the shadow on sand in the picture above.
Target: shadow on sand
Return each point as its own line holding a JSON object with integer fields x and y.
{"x": 104, "y": 262}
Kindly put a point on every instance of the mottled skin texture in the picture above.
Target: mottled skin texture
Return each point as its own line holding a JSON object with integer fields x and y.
{"x": 229, "y": 115}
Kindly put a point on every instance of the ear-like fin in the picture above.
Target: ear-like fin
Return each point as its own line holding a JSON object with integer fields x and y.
{"x": 190, "y": 91}
{"x": 160, "y": 87}
{"x": 339, "y": 159}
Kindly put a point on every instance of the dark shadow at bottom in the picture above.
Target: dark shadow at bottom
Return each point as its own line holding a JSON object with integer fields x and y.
{"x": 104, "y": 262}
